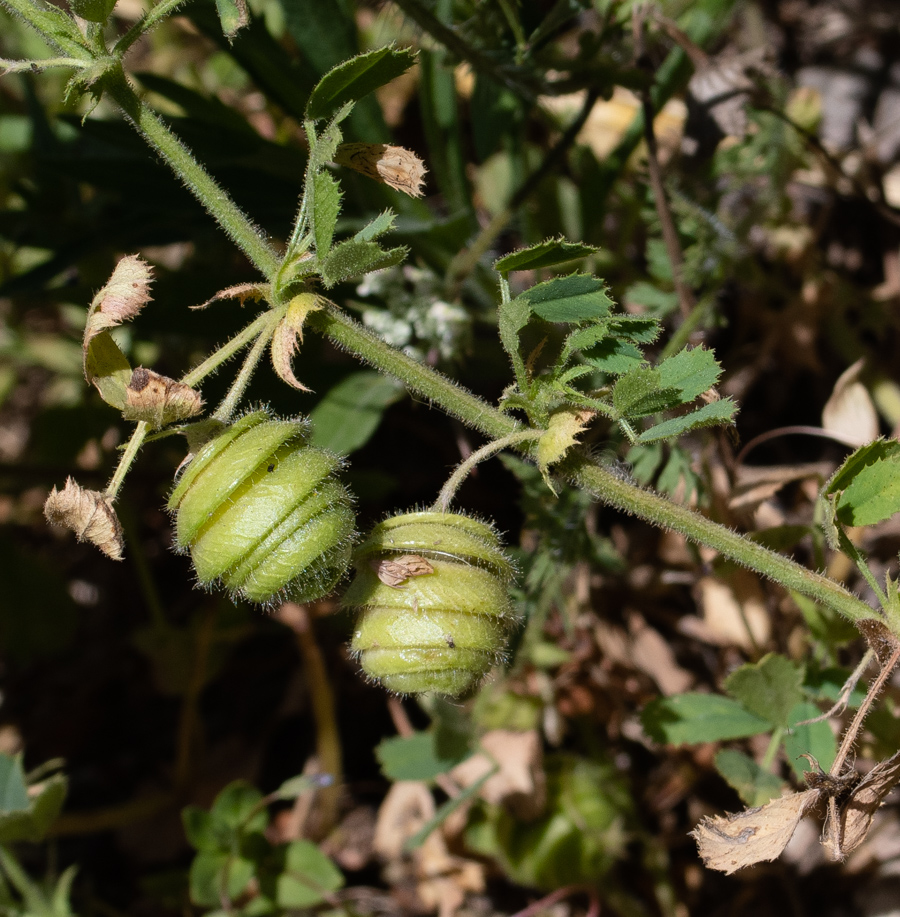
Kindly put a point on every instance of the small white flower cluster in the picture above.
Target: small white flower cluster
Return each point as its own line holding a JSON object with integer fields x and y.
{"x": 413, "y": 316}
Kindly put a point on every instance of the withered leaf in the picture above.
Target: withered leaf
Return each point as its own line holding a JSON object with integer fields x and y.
{"x": 89, "y": 515}
{"x": 241, "y": 291}
{"x": 731, "y": 842}
{"x": 397, "y": 571}
{"x": 289, "y": 335}
{"x": 864, "y": 801}
{"x": 394, "y": 166}
{"x": 158, "y": 399}
{"x": 881, "y": 641}
{"x": 126, "y": 292}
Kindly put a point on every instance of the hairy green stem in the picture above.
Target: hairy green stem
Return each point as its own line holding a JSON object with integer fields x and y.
{"x": 148, "y": 21}
{"x": 242, "y": 380}
{"x": 448, "y": 491}
{"x": 226, "y": 351}
{"x": 200, "y": 183}
{"x": 850, "y": 549}
{"x": 585, "y": 473}
{"x": 128, "y": 456}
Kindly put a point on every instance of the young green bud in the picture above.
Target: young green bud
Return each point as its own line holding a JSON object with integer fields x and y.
{"x": 433, "y": 600}
{"x": 262, "y": 512}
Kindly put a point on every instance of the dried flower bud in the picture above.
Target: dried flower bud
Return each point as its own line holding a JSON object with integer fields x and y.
{"x": 158, "y": 399}
{"x": 126, "y": 292}
{"x": 433, "y": 600}
{"x": 391, "y": 165}
{"x": 89, "y": 515}
{"x": 262, "y": 512}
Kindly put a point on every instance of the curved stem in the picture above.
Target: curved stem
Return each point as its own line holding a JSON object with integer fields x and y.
{"x": 448, "y": 491}
{"x": 199, "y": 182}
{"x": 226, "y": 351}
{"x": 586, "y": 474}
{"x": 128, "y": 456}
{"x": 242, "y": 380}
{"x": 145, "y": 23}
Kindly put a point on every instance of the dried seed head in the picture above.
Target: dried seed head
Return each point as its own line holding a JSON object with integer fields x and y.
{"x": 158, "y": 399}
{"x": 89, "y": 515}
{"x": 394, "y": 166}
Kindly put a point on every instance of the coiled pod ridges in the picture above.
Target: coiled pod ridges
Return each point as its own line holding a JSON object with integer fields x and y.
{"x": 441, "y": 627}
{"x": 262, "y": 513}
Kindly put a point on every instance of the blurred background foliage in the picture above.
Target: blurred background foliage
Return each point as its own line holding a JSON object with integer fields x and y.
{"x": 778, "y": 125}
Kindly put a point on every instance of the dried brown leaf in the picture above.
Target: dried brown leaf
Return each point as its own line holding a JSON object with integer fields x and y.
{"x": 397, "y": 571}
{"x": 89, "y": 515}
{"x": 288, "y": 337}
{"x": 881, "y": 641}
{"x": 394, "y": 166}
{"x": 158, "y": 399}
{"x": 864, "y": 801}
{"x": 757, "y": 835}
{"x": 849, "y": 414}
{"x": 241, "y": 291}
{"x": 124, "y": 295}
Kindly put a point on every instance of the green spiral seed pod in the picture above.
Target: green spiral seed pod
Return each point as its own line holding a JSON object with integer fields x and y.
{"x": 262, "y": 512}
{"x": 433, "y": 600}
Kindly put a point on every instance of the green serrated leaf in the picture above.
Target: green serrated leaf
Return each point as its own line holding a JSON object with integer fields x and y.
{"x": 873, "y": 494}
{"x": 544, "y": 254}
{"x": 326, "y": 207}
{"x": 383, "y": 223}
{"x": 309, "y": 876}
{"x": 770, "y": 688}
{"x": 415, "y": 758}
{"x": 108, "y": 369}
{"x": 878, "y": 451}
{"x": 583, "y": 338}
{"x": 233, "y": 15}
{"x": 326, "y": 144}
{"x": 710, "y": 415}
{"x": 349, "y": 413}
{"x": 511, "y": 319}
{"x": 614, "y": 356}
{"x": 754, "y": 785}
{"x": 353, "y": 258}
{"x": 692, "y": 718}
{"x": 639, "y": 393}
{"x": 637, "y": 328}
{"x": 576, "y": 298}
{"x": 814, "y": 739}
{"x": 690, "y": 373}
{"x": 356, "y": 78}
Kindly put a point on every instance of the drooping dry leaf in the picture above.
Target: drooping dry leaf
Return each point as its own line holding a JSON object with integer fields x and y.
{"x": 397, "y": 571}
{"x": 735, "y": 612}
{"x": 849, "y": 414}
{"x": 126, "y": 292}
{"x": 289, "y": 335}
{"x": 89, "y": 515}
{"x": 520, "y": 783}
{"x": 729, "y": 843}
{"x": 394, "y": 166}
{"x": 158, "y": 399}
{"x": 881, "y": 641}
{"x": 865, "y": 799}
{"x": 241, "y": 291}
{"x": 756, "y": 483}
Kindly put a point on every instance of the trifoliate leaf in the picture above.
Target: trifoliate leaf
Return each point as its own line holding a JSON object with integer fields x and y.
{"x": 576, "y": 298}
{"x": 356, "y": 78}
{"x": 544, "y": 254}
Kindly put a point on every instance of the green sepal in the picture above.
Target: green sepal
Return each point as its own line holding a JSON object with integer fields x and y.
{"x": 356, "y": 78}
{"x": 109, "y": 370}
